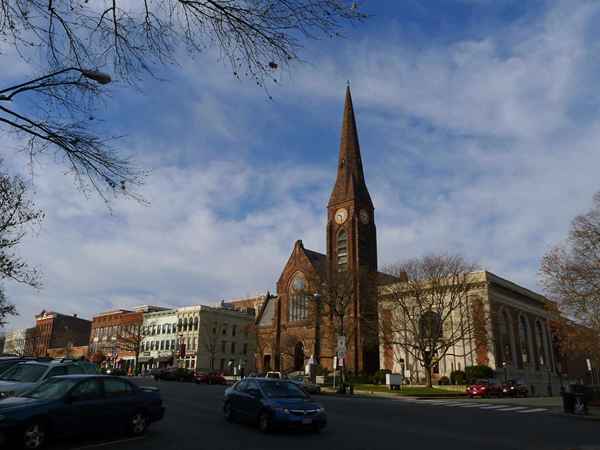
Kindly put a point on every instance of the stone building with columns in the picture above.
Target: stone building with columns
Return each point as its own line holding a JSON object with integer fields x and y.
{"x": 515, "y": 337}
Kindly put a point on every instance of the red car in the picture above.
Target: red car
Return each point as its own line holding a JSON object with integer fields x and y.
{"x": 210, "y": 378}
{"x": 484, "y": 388}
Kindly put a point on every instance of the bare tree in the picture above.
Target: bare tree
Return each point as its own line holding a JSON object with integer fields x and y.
{"x": 570, "y": 273}
{"x": 130, "y": 338}
{"x": 427, "y": 313}
{"x": 17, "y": 215}
{"x": 211, "y": 335}
{"x": 76, "y": 38}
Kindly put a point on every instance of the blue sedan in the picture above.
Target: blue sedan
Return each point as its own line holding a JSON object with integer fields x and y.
{"x": 273, "y": 403}
{"x": 77, "y": 404}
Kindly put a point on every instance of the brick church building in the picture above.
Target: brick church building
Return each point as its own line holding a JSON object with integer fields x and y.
{"x": 292, "y": 326}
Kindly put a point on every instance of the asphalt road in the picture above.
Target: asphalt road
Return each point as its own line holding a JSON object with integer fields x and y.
{"x": 194, "y": 421}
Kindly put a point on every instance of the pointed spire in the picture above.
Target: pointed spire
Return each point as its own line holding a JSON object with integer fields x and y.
{"x": 350, "y": 182}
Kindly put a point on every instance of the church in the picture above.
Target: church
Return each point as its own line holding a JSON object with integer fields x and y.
{"x": 290, "y": 327}
{"x": 293, "y": 328}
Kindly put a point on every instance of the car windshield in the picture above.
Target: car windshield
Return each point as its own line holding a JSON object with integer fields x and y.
{"x": 52, "y": 389}
{"x": 24, "y": 373}
{"x": 281, "y": 389}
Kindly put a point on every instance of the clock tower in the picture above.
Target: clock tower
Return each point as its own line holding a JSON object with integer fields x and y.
{"x": 352, "y": 245}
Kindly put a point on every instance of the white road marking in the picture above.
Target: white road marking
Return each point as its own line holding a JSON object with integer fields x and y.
{"x": 494, "y": 407}
{"x": 476, "y": 405}
{"x": 104, "y": 444}
{"x": 513, "y": 408}
{"x": 534, "y": 410}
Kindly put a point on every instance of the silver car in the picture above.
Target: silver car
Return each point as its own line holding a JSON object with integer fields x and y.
{"x": 26, "y": 375}
{"x": 306, "y": 385}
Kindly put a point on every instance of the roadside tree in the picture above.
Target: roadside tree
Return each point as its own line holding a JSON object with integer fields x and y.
{"x": 428, "y": 314}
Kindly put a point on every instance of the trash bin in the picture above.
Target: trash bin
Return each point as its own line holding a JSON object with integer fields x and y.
{"x": 568, "y": 402}
{"x": 580, "y": 403}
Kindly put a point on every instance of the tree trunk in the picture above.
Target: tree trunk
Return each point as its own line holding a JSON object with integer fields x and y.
{"x": 428, "y": 374}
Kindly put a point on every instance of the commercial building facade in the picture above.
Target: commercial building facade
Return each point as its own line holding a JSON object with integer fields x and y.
{"x": 159, "y": 346}
{"x": 56, "y": 331}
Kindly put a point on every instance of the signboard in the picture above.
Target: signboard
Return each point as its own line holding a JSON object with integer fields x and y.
{"x": 335, "y": 362}
{"x": 588, "y": 363}
{"x": 341, "y": 344}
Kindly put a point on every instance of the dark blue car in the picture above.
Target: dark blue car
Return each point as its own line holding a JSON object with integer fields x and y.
{"x": 77, "y": 404}
{"x": 273, "y": 403}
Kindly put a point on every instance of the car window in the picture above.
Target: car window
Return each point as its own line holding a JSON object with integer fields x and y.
{"x": 24, "y": 373}
{"x": 57, "y": 371}
{"x": 86, "y": 390}
{"x": 251, "y": 384}
{"x": 241, "y": 386}
{"x": 52, "y": 389}
{"x": 4, "y": 365}
{"x": 113, "y": 387}
{"x": 73, "y": 369}
{"x": 282, "y": 389}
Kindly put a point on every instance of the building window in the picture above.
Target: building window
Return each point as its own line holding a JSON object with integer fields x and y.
{"x": 540, "y": 344}
{"x": 172, "y": 344}
{"x": 185, "y": 324}
{"x": 215, "y": 328}
{"x": 194, "y": 344}
{"x": 222, "y": 364}
{"x": 233, "y": 330}
{"x": 245, "y": 351}
{"x": 233, "y": 348}
{"x": 298, "y": 304}
{"x": 224, "y": 333}
{"x": 524, "y": 340}
{"x": 223, "y": 347}
{"x": 196, "y": 324}
{"x": 342, "y": 250}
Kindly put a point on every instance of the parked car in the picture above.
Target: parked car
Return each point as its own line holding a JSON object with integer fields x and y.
{"x": 174, "y": 374}
{"x": 273, "y": 403}
{"x": 78, "y": 404}
{"x": 306, "y": 385}
{"x": 515, "y": 388}
{"x": 276, "y": 375}
{"x": 488, "y": 387}
{"x": 25, "y": 375}
{"x": 6, "y": 362}
{"x": 210, "y": 378}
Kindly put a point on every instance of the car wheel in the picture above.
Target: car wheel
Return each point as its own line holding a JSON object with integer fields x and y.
{"x": 228, "y": 412}
{"x": 138, "y": 424}
{"x": 264, "y": 422}
{"x": 34, "y": 436}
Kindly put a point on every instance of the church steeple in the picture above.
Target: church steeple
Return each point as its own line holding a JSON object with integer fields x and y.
{"x": 350, "y": 182}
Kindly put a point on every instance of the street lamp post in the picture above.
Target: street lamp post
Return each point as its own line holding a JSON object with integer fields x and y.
{"x": 98, "y": 77}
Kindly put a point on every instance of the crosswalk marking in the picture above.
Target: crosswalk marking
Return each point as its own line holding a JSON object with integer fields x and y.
{"x": 534, "y": 410}
{"x": 513, "y": 408}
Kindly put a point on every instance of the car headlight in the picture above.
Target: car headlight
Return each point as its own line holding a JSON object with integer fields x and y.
{"x": 283, "y": 410}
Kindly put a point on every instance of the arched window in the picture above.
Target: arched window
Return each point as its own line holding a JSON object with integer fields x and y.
{"x": 539, "y": 338}
{"x": 179, "y": 325}
{"x": 524, "y": 341}
{"x": 505, "y": 338}
{"x": 196, "y": 324}
{"x": 298, "y": 304}
{"x": 342, "y": 250}
{"x": 185, "y": 324}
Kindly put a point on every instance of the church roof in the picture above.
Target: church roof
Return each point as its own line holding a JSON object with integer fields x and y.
{"x": 318, "y": 260}
{"x": 350, "y": 181}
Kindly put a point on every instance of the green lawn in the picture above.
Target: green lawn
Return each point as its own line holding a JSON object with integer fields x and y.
{"x": 409, "y": 390}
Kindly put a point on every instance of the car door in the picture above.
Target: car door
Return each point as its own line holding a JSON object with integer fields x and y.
{"x": 235, "y": 396}
{"x": 82, "y": 411}
{"x": 251, "y": 399}
{"x": 121, "y": 401}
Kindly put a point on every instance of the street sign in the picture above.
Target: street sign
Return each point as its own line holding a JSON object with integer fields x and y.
{"x": 341, "y": 344}
{"x": 335, "y": 362}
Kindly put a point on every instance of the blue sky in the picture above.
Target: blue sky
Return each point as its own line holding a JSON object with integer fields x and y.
{"x": 478, "y": 123}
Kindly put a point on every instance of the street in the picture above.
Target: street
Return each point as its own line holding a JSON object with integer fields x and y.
{"x": 194, "y": 421}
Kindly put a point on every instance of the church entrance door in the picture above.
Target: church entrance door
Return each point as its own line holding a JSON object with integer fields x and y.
{"x": 299, "y": 356}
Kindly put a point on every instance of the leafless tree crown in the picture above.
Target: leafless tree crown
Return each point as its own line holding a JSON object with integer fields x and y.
{"x": 427, "y": 314}
{"x": 570, "y": 272}
{"x": 128, "y": 39}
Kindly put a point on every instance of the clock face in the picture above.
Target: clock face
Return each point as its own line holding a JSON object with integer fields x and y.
{"x": 341, "y": 215}
{"x": 364, "y": 216}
